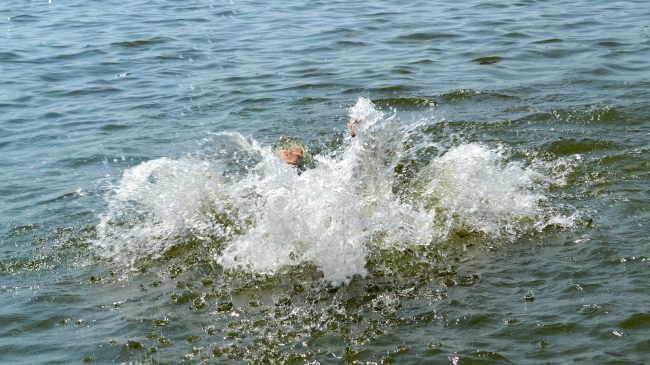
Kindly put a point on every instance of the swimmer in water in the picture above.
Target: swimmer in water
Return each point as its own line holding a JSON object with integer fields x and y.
{"x": 292, "y": 156}
{"x": 294, "y": 152}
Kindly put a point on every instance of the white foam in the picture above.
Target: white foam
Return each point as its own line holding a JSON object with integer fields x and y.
{"x": 470, "y": 187}
{"x": 267, "y": 216}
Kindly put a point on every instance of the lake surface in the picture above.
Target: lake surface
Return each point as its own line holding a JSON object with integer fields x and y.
{"x": 493, "y": 207}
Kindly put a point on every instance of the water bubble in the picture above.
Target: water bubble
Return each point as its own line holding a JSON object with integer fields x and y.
{"x": 529, "y": 296}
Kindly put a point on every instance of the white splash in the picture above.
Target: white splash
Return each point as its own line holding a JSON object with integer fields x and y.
{"x": 471, "y": 187}
{"x": 267, "y": 216}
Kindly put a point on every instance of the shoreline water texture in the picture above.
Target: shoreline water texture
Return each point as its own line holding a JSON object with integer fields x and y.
{"x": 491, "y": 209}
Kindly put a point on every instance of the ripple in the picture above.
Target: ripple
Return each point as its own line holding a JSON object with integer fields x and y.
{"x": 589, "y": 309}
{"x": 94, "y": 90}
{"x": 423, "y": 37}
{"x": 548, "y": 41}
{"x": 637, "y": 321}
{"x": 488, "y": 60}
{"x": 143, "y": 43}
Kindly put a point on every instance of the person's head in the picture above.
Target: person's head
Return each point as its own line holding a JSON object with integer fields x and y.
{"x": 293, "y": 151}
{"x": 292, "y": 156}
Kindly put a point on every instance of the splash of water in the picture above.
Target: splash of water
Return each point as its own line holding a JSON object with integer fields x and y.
{"x": 263, "y": 216}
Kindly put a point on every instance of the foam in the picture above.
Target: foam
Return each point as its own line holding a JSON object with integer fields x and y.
{"x": 265, "y": 216}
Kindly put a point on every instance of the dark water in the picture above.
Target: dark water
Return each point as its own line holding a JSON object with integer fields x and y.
{"x": 493, "y": 208}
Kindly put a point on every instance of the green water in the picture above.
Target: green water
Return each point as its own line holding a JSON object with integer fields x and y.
{"x": 491, "y": 210}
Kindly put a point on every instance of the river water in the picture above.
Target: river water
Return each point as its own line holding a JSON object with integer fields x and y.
{"x": 492, "y": 208}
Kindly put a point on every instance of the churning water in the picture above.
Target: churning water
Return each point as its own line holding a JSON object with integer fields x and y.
{"x": 261, "y": 216}
{"x": 491, "y": 208}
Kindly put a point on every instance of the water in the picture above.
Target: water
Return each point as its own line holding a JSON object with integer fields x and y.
{"x": 490, "y": 210}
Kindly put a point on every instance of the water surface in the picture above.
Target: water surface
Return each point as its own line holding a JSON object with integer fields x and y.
{"x": 490, "y": 210}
